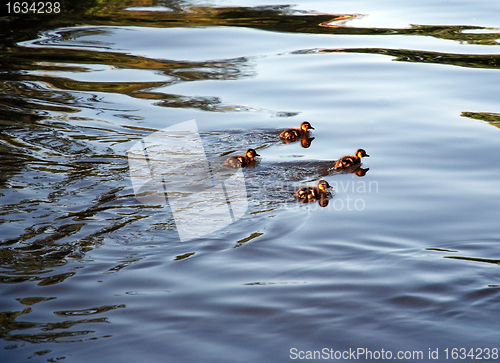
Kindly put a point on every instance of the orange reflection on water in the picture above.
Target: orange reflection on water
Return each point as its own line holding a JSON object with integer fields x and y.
{"x": 328, "y": 24}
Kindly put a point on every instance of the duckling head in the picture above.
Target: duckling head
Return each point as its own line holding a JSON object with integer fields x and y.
{"x": 306, "y": 126}
{"x": 251, "y": 153}
{"x": 323, "y": 185}
{"x": 361, "y": 153}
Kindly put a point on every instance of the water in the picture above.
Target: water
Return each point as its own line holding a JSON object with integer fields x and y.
{"x": 403, "y": 258}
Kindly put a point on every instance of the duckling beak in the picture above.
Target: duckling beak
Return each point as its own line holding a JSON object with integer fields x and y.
{"x": 367, "y": 155}
{"x": 311, "y": 128}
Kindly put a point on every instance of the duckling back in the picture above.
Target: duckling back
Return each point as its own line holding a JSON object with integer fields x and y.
{"x": 307, "y": 193}
{"x": 313, "y": 193}
{"x": 236, "y": 161}
{"x": 351, "y": 160}
{"x": 347, "y": 161}
{"x": 291, "y": 134}
{"x": 296, "y": 133}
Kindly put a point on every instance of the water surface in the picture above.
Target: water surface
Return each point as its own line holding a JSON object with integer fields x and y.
{"x": 403, "y": 258}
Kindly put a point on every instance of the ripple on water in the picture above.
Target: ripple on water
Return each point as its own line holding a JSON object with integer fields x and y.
{"x": 83, "y": 260}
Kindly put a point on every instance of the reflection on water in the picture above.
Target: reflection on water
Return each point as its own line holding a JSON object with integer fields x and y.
{"x": 9, "y": 324}
{"x": 490, "y": 117}
{"x": 80, "y": 246}
{"x": 305, "y": 141}
{"x": 491, "y": 61}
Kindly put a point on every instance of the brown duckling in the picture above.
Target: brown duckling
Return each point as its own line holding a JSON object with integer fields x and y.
{"x": 350, "y": 160}
{"x": 237, "y": 161}
{"x": 296, "y": 133}
{"x": 311, "y": 193}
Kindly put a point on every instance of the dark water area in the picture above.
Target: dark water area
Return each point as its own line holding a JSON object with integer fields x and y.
{"x": 402, "y": 259}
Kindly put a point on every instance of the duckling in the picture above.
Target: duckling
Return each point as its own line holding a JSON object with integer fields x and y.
{"x": 350, "y": 160}
{"x": 296, "y": 133}
{"x": 237, "y": 161}
{"x": 311, "y": 193}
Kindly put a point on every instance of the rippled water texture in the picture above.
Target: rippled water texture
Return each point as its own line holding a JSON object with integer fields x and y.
{"x": 402, "y": 257}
